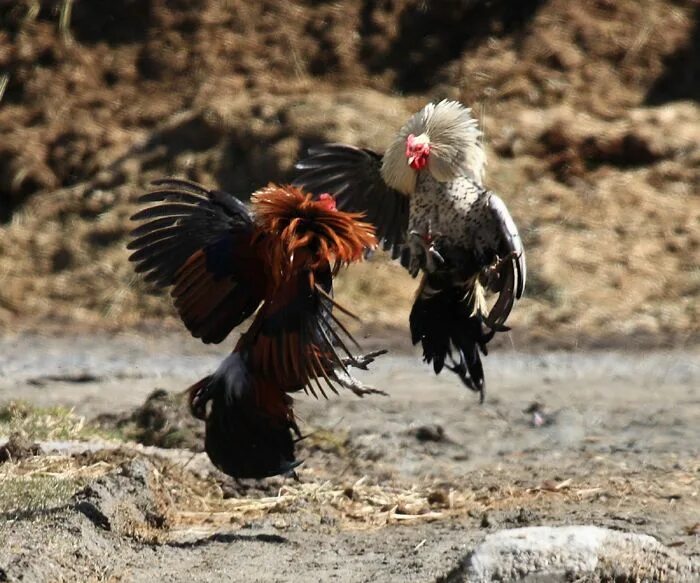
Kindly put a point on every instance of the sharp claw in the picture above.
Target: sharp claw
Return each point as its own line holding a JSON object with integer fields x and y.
{"x": 434, "y": 260}
{"x": 363, "y": 390}
{"x": 356, "y": 386}
{"x": 293, "y": 474}
{"x": 416, "y": 271}
{"x": 363, "y": 360}
{"x": 504, "y": 261}
{"x": 423, "y": 254}
{"x": 417, "y": 258}
{"x": 493, "y": 271}
{"x": 461, "y": 371}
{"x": 436, "y": 254}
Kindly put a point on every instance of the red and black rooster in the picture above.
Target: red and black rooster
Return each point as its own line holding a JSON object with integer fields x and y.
{"x": 225, "y": 263}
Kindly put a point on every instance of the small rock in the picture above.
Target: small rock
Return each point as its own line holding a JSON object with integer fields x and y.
{"x": 438, "y": 498}
{"x": 525, "y": 516}
{"x": 127, "y": 500}
{"x": 540, "y": 418}
{"x": 18, "y": 447}
{"x": 432, "y": 432}
{"x": 486, "y": 521}
{"x": 575, "y": 553}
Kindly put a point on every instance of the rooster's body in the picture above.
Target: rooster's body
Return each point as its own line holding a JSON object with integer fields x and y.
{"x": 425, "y": 196}
{"x": 225, "y": 263}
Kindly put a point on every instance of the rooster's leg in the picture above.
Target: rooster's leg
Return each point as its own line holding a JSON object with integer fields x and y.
{"x": 423, "y": 254}
{"x": 363, "y": 360}
{"x": 417, "y": 250}
{"x": 356, "y": 386}
{"x": 491, "y": 273}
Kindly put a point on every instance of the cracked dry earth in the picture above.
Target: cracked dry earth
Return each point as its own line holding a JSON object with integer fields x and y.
{"x": 398, "y": 488}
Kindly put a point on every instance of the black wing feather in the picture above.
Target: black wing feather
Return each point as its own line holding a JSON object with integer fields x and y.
{"x": 511, "y": 284}
{"x": 189, "y": 218}
{"x": 353, "y": 176}
{"x": 188, "y": 225}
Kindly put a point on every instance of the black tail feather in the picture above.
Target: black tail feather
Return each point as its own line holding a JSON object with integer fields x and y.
{"x": 242, "y": 439}
{"x": 451, "y": 334}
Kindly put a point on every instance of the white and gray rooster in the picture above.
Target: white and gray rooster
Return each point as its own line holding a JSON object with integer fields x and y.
{"x": 426, "y": 197}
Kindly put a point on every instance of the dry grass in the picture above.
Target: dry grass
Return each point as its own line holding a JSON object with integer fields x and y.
{"x": 192, "y": 503}
{"x": 43, "y": 483}
{"x": 195, "y": 503}
{"x": 42, "y": 423}
{"x": 364, "y": 504}
{"x": 56, "y": 423}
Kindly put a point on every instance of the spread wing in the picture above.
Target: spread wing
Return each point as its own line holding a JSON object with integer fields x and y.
{"x": 353, "y": 176}
{"x": 199, "y": 242}
{"x": 513, "y": 271}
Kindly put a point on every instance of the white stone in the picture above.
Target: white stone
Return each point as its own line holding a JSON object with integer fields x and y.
{"x": 543, "y": 553}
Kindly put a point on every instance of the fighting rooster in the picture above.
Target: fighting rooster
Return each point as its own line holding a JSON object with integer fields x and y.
{"x": 225, "y": 263}
{"x": 426, "y": 197}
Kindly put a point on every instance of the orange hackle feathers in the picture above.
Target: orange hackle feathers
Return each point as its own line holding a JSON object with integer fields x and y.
{"x": 308, "y": 233}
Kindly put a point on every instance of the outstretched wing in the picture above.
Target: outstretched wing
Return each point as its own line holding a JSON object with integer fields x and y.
{"x": 352, "y": 176}
{"x": 199, "y": 242}
{"x": 513, "y": 271}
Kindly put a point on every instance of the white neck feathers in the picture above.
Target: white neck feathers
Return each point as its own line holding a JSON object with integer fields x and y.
{"x": 455, "y": 147}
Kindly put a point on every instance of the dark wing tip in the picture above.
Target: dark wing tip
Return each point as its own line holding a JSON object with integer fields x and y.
{"x": 521, "y": 267}
{"x": 515, "y": 271}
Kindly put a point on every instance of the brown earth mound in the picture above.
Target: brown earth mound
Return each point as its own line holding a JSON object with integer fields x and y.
{"x": 162, "y": 420}
{"x": 590, "y": 112}
{"x": 18, "y": 447}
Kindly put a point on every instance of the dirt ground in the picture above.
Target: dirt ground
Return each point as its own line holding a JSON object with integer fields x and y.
{"x": 392, "y": 488}
{"x": 589, "y": 109}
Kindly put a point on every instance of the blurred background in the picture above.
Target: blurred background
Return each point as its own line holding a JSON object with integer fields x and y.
{"x": 590, "y": 112}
